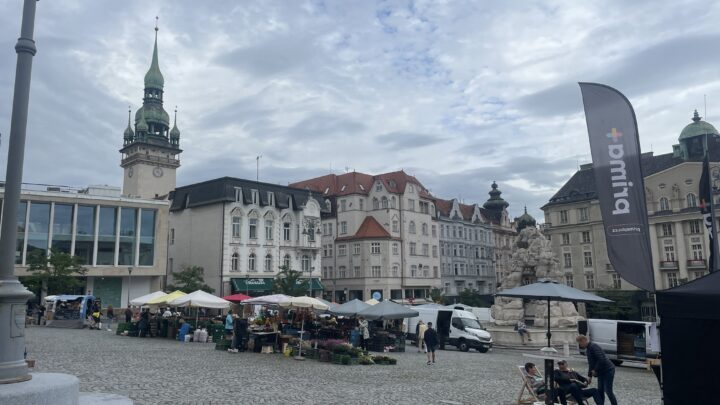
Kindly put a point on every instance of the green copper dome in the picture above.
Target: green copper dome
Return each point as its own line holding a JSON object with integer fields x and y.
{"x": 175, "y": 132}
{"x": 697, "y": 128}
{"x": 141, "y": 125}
{"x": 153, "y": 113}
{"x": 495, "y": 202}
{"x": 153, "y": 78}
{"x": 129, "y": 134}
{"x": 525, "y": 220}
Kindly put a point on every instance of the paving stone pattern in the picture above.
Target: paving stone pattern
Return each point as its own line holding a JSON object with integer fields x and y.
{"x": 162, "y": 371}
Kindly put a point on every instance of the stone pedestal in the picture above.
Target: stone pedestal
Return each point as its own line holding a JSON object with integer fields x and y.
{"x": 507, "y": 337}
{"x": 55, "y": 389}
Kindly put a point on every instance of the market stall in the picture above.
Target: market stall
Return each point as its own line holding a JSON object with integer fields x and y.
{"x": 391, "y": 336}
{"x": 303, "y": 302}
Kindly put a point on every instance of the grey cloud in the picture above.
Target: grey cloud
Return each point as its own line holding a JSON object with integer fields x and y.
{"x": 323, "y": 124}
{"x": 676, "y": 63}
{"x": 272, "y": 57}
{"x": 406, "y": 140}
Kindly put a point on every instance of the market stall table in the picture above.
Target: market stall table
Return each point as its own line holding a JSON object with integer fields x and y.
{"x": 261, "y": 339}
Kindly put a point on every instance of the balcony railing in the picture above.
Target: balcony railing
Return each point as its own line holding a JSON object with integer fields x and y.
{"x": 696, "y": 263}
{"x": 668, "y": 265}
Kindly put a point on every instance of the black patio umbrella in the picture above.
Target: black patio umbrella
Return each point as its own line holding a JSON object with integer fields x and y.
{"x": 388, "y": 310}
{"x": 550, "y": 290}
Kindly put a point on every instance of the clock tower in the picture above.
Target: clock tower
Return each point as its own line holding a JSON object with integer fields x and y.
{"x": 150, "y": 153}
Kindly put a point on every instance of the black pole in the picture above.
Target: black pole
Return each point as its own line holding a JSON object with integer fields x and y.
{"x": 549, "y": 335}
{"x": 713, "y": 229}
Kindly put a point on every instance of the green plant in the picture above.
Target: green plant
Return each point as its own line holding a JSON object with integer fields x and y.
{"x": 190, "y": 279}
{"x": 341, "y": 349}
{"x": 355, "y": 352}
{"x": 289, "y": 282}
{"x": 366, "y": 360}
{"x": 345, "y": 359}
{"x": 56, "y": 274}
{"x": 392, "y": 360}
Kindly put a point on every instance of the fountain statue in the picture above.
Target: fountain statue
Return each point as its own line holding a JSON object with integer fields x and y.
{"x": 532, "y": 259}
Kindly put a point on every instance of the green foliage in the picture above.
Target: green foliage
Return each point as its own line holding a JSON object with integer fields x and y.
{"x": 625, "y": 306}
{"x": 190, "y": 279}
{"x": 438, "y": 296}
{"x": 57, "y": 274}
{"x": 345, "y": 359}
{"x": 474, "y": 299}
{"x": 290, "y": 282}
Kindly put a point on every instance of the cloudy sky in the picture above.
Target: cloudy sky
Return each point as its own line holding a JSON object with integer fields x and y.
{"x": 457, "y": 93}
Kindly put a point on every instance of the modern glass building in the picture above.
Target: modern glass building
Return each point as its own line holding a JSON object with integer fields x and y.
{"x": 121, "y": 241}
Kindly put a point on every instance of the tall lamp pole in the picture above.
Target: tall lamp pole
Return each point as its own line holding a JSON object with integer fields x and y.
{"x": 129, "y": 284}
{"x": 13, "y": 295}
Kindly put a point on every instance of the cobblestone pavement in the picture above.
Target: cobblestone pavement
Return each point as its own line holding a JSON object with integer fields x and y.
{"x": 162, "y": 371}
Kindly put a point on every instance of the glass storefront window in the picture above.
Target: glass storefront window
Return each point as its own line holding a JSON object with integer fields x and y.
{"x": 147, "y": 237}
{"x": 128, "y": 222}
{"x": 106, "y": 236}
{"x": 85, "y": 234}
{"x": 22, "y": 209}
{"x": 38, "y": 228}
{"x": 62, "y": 227}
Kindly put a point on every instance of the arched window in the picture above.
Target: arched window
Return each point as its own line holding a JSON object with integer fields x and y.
{"x": 376, "y": 204}
{"x": 286, "y": 231}
{"x": 305, "y": 263}
{"x": 268, "y": 262}
{"x": 251, "y": 262}
{"x": 235, "y": 262}
{"x": 691, "y": 200}
{"x": 384, "y": 202}
{"x": 286, "y": 261}
{"x": 411, "y": 227}
{"x": 664, "y": 204}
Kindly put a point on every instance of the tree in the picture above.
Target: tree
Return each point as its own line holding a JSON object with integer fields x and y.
{"x": 54, "y": 274}
{"x": 289, "y": 282}
{"x": 437, "y": 296}
{"x": 474, "y": 299}
{"x": 190, "y": 279}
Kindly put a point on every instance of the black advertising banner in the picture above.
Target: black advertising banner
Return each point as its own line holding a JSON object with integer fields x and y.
{"x": 615, "y": 149}
{"x": 706, "y": 207}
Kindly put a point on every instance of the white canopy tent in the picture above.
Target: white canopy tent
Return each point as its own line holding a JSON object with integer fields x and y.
{"x": 200, "y": 299}
{"x": 143, "y": 300}
{"x": 303, "y": 302}
{"x": 274, "y": 299}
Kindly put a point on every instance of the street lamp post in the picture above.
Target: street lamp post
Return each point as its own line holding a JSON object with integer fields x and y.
{"x": 13, "y": 295}
{"x": 129, "y": 284}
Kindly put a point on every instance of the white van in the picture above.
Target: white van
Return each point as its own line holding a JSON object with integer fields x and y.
{"x": 623, "y": 340}
{"x": 483, "y": 314}
{"x": 456, "y": 327}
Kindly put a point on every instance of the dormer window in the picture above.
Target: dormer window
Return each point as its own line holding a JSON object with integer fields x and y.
{"x": 271, "y": 198}
{"x": 254, "y": 196}
{"x": 378, "y": 187}
{"x": 238, "y": 194}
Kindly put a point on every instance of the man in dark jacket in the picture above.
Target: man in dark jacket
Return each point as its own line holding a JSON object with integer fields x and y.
{"x": 431, "y": 342}
{"x": 574, "y": 384}
{"x": 601, "y": 367}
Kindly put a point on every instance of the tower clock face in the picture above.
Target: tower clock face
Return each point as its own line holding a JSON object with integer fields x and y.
{"x": 130, "y": 172}
{"x": 158, "y": 172}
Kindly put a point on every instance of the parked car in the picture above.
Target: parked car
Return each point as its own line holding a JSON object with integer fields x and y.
{"x": 455, "y": 327}
{"x": 623, "y": 340}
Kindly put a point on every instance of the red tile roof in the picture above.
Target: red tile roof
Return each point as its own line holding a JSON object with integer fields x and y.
{"x": 369, "y": 229}
{"x": 361, "y": 183}
{"x": 467, "y": 211}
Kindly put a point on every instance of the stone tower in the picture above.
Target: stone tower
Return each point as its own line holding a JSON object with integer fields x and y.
{"x": 150, "y": 152}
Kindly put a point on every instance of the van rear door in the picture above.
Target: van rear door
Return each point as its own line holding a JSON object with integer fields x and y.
{"x": 604, "y": 333}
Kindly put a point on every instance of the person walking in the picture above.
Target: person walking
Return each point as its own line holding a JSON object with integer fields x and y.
{"x": 229, "y": 324}
{"x": 364, "y": 330}
{"x": 601, "y": 367}
{"x": 431, "y": 343}
{"x": 41, "y": 313}
{"x": 110, "y": 315}
{"x": 421, "y": 329}
{"x": 128, "y": 314}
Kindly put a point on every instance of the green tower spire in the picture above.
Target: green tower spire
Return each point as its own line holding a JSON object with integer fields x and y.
{"x": 129, "y": 134}
{"x": 175, "y": 132}
{"x": 153, "y": 78}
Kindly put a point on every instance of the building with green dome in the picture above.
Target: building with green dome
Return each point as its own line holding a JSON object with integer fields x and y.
{"x": 678, "y": 239}
{"x": 150, "y": 152}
